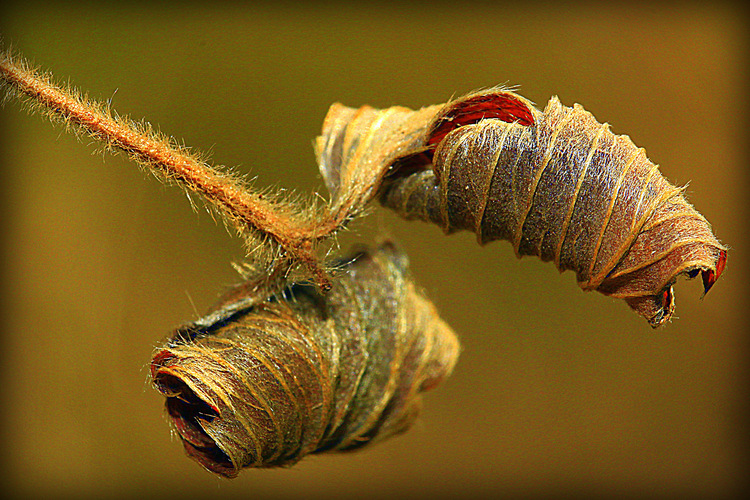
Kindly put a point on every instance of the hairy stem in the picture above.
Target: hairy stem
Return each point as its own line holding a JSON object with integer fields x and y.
{"x": 255, "y": 216}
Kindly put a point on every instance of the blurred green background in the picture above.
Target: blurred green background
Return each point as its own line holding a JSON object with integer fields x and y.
{"x": 557, "y": 391}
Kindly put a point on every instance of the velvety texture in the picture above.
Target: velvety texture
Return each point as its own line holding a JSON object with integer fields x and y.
{"x": 557, "y": 184}
{"x": 262, "y": 383}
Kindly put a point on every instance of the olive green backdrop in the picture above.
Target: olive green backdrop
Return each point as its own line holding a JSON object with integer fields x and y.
{"x": 556, "y": 390}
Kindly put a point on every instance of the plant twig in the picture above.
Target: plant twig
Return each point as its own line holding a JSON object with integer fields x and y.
{"x": 257, "y": 216}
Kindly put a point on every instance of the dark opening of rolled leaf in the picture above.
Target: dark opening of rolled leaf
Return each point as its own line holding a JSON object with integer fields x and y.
{"x": 188, "y": 413}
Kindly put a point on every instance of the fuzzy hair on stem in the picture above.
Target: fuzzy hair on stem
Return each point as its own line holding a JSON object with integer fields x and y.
{"x": 280, "y": 233}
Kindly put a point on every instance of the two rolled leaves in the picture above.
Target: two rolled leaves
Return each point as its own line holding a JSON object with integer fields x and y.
{"x": 265, "y": 379}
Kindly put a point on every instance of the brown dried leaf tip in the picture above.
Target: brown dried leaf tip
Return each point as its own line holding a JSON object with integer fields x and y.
{"x": 556, "y": 184}
{"x": 262, "y": 383}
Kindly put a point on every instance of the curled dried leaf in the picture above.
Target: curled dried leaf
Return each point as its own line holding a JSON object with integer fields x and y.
{"x": 556, "y": 184}
{"x": 262, "y": 383}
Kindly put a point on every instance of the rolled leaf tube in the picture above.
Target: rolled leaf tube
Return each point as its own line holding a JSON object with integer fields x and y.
{"x": 568, "y": 190}
{"x": 556, "y": 184}
{"x": 262, "y": 383}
